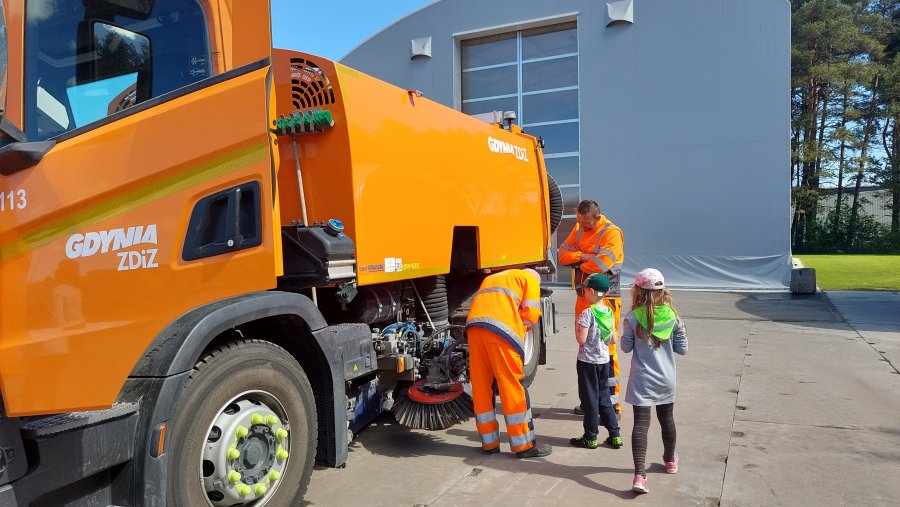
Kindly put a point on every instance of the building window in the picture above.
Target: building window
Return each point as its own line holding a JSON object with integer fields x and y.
{"x": 534, "y": 73}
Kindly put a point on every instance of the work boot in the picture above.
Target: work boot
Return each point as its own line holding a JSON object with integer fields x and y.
{"x": 495, "y": 450}
{"x": 536, "y": 451}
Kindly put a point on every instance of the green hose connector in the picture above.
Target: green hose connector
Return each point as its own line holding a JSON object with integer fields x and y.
{"x": 281, "y": 454}
{"x": 242, "y": 489}
{"x": 281, "y": 434}
{"x": 307, "y": 121}
{"x": 241, "y": 432}
{"x": 260, "y": 489}
{"x": 233, "y": 454}
{"x": 234, "y": 476}
{"x": 257, "y": 419}
{"x": 272, "y": 420}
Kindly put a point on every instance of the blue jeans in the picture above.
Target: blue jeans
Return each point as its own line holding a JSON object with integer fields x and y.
{"x": 593, "y": 390}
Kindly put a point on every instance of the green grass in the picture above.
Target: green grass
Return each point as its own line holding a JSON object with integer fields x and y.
{"x": 855, "y": 272}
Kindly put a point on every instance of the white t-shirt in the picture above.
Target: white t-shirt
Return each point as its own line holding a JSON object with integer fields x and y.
{"x": 594, "y": 349}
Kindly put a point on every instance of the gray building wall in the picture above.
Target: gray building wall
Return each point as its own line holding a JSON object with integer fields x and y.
{"x": 684, "y": 121}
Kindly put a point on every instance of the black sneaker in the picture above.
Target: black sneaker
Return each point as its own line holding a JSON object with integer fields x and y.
{"x": 536, "y": 451}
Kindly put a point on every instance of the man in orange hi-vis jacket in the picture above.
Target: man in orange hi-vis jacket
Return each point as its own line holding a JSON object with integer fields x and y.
{"x": 595, "y": 245}
{"x": 505, "y": 307}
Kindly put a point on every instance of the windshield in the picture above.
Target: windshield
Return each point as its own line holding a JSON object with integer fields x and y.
{"x": 2, "y": 60}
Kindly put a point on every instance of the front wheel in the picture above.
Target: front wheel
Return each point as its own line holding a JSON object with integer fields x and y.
{"x": 244, "y": 432}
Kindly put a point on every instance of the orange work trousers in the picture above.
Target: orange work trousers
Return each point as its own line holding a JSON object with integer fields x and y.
{"x": 493, "y": 359}
{"x": 614, "y": 304}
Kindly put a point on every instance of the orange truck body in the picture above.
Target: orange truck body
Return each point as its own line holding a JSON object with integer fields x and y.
{"x": 402, "y": 163}
{"x": 92, "y": 234}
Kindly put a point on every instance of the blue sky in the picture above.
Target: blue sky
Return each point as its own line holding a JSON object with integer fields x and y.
{"x": 332, "y": 29}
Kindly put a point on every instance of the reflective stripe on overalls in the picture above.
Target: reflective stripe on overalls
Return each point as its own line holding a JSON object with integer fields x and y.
{"x": 496, "y": 327}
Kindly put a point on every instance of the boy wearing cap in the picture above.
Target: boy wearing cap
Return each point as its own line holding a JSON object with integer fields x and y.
{"x": 595, "y": 329}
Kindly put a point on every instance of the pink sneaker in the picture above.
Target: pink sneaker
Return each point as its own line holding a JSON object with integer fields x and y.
{"x": 672, "y": 466}
{"x": 639, "y": 484}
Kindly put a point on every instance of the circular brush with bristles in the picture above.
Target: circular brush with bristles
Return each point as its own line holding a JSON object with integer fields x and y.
{"x": 424, "y": 408}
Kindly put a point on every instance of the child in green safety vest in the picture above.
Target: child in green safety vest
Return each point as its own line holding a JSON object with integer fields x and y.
{"x": 595, "y": 329}
{"x": 653, "y": 332}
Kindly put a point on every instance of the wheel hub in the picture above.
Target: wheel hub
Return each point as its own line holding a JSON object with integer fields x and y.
{"x": 258, "y": 451}
{"x": 246, "y": 452}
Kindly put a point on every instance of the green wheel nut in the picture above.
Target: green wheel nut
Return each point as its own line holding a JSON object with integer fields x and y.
{"x": 281, "y": 453}
{"x": 260, "y": 489}
{"x": 281, "y": 434}
{"x": 242, "y": 489}
{"x": 274, "y": 475}
{"x": 234, "y": 476}
{"x": 256, "y": 419}
{"x": 233, "y": 454}
{"x": 272, "y": 420}
{"x": 241, "y": 432}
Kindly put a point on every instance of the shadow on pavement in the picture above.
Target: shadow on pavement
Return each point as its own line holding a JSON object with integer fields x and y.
{"x": 386, "y": 442}
{"x": 394, "y": 440}
{"x": 507, "y": 462}
{"x": 780, "y": 307}
{"x": 560, "y": 414}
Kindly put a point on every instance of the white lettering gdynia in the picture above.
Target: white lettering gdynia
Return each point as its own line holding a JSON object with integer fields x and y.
{"x": 498, "y": 146}
{"x": 113, "y": 240}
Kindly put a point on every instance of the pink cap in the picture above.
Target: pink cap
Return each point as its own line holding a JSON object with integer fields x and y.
{"x": 650, "y": 278}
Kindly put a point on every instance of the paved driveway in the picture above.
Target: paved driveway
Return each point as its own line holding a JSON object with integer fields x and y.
{"x": 782, "y": 400}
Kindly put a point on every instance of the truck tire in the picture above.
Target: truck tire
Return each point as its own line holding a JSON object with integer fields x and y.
{"x": 533, "y": 340}
{"x": 246, "y": 408}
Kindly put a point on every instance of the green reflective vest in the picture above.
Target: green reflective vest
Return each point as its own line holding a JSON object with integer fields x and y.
{"x": 605, "y": 319}
{"x": 664, "y": 318}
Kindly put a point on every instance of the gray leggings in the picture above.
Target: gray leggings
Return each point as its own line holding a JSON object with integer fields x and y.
{"x": 666, "y": 416}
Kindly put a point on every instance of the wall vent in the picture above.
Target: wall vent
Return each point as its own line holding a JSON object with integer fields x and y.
{"x": 310, "y": 87}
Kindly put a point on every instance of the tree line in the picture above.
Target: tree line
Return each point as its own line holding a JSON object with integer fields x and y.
{"x": 845, "y": 110}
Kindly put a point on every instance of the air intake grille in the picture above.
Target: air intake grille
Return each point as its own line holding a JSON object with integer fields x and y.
{"x": 309, "y": 85}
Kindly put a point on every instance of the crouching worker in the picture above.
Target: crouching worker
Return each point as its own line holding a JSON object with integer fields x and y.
{"x": 505, "y": 307}
{"x": 595, "y": 331}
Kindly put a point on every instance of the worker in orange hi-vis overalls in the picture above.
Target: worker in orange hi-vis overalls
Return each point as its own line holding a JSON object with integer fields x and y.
{"x": 595, "y": 245}
{"x": 505, "y": 307}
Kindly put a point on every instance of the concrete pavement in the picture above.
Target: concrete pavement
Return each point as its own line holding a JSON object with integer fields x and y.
{"x": 782, "y": 400}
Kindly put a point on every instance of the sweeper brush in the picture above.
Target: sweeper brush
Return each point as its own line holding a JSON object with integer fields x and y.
{"x": 425, "y": 408}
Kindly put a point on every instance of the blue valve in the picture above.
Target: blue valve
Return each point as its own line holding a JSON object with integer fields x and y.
{"x": 335, "y": 227}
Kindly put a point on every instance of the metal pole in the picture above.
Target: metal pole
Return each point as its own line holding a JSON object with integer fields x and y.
{"x": 302, "y": 198}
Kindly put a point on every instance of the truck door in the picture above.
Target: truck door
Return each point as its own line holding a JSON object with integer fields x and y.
{"x": 155, "y": 198}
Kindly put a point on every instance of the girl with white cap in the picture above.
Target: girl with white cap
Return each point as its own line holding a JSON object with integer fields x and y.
{"x": 654, "y": 333}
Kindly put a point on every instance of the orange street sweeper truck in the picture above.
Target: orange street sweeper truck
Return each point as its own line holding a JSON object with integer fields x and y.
{"x": 218, "y": 260}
